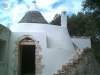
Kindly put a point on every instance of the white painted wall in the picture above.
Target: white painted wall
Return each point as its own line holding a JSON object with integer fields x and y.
{"x": 82, "y": 42}
{"x": 53, "y": 59}
{"x": 57, "y": 36}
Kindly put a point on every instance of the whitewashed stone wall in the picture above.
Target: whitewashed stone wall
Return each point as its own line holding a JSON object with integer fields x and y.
{"x": 4, "y": 49}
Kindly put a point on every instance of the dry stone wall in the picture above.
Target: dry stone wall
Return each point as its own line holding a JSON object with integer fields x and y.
{"x": 83, "y": 63}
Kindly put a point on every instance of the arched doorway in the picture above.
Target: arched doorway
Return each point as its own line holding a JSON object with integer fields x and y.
{"x": 27, "y": 56}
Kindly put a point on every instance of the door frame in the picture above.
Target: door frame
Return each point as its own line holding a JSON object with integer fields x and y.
{"x": 27, "y": 40}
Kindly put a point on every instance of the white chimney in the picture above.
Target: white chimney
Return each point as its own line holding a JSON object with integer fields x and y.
{"x": 64, "y": 19}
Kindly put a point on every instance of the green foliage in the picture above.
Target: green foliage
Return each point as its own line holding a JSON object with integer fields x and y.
{"x": 56, "y": 20}
{"x": 80, "y": 24}
{"x": 94, "y": 7}
{"x": 76, "y": 24}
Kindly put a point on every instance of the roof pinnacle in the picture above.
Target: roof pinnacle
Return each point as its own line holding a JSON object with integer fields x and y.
{"x": 33, "y": 6}
{"x": 34, "y": 1}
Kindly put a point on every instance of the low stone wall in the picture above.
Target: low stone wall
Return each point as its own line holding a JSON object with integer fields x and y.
{"x": 83, "y": 63}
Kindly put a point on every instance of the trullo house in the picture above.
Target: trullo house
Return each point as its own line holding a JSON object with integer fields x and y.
{"x": 34, "y": 47}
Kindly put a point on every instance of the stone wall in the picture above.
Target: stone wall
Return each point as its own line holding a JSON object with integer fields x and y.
{"x": 4, "y": 49}
{"x": 82, "y": 63}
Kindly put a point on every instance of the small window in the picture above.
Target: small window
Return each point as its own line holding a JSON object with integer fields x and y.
{"x": 2, "y": 49}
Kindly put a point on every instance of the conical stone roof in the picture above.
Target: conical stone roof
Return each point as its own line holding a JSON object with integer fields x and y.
{"x": 33, "y": 16}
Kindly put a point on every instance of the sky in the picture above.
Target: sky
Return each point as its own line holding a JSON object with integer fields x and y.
{"x": 12, "y": 11}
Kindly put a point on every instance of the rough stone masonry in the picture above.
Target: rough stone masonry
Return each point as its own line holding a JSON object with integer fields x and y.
{"x": 86, "y": 64}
